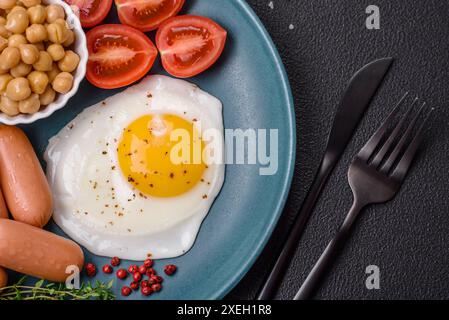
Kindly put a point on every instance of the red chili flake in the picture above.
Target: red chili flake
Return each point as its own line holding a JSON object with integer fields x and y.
{"x": 126, "y": 291}
{"x": 134, "y": 285}
{"x": 137, "y": 276}
{"x": 107, "y": 269}
{"x": 146, "y": 291}
{"x": 122, "y": 274}
{"x": 170, "y": 269}
{"x": 148, "y": 263}
{"x": 91, "y": 270}
{"x": 150, "y": 272}
{"x": 142, "y": 269}
{"x": 115, "y": 261}
{"x": 133, "y": 269}
{"x": 156, "y": 287}
{"x": 156, "y": 279}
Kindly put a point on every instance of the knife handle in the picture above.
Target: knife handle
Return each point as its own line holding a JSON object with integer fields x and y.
{"x": 276, "y": 275}
{"x": 320, "y": 269}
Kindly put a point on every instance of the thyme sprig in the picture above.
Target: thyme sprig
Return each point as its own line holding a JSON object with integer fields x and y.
{"x": 57, "y": 291}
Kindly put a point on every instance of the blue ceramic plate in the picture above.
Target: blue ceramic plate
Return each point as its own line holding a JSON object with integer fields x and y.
{"x": 251, "y": 82}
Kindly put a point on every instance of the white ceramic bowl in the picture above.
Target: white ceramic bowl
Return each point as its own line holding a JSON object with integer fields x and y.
{"x": 80, "y": 47}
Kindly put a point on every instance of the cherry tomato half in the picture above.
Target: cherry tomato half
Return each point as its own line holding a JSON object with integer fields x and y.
{"x": 147, "y": 15}
{"x": 189, "y": 44}
{"x": 91, "y": 12}
{"x": 118, "y": 55}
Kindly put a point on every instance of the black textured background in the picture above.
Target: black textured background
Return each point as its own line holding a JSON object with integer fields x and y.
{"x": 407, "y": 238}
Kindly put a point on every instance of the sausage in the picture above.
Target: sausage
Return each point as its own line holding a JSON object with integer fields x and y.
{"x": 3, "y": 209}
{"x": 22, "y": 179}
{"x": 3, "y": 278}
{"x": 36, "y": 252}
{"x": 3, "y": 215}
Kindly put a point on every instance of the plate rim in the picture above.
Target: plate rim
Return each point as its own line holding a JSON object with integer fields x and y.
{"x": 243, "y": 270}
{"x": 227, "y": 284}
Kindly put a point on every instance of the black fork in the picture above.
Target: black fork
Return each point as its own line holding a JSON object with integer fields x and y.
{"x": 375, "y": 176}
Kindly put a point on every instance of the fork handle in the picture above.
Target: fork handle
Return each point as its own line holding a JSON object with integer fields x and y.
{"x": 328, "y": 256}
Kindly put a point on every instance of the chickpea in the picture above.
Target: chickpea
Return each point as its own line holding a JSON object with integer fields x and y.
{"x": 30, "y": 3}
{"x": 18, "y": 89}
{"x": 38, "y": 81}
{"x": 40, "y": 46}
{"x": 2, "y": 21}
{"x": 9, "y": 58}
{"x": 14, "y": 10}
{"x": 56, "y": 51}
{"x": 3, "y": 43}
{"x": 9, "y": 107}
{"x": 4, "y": 32}
{"x": 48, "y": 96}
{"x": 63, "y": 82}
{"x": 22, "y": 70}
{"x": 55, "y": 12}
{"x": 4, "y": 80}
{"x": 16, "y": 40}
{"x": 17, "y": 22}
{"x": 29, "y": 53}
{"x": 30, "y": 105}
{"x": 70, "y": 62}
{"x": 37, "y": 14}
{"x": 62, "y": 22}
{"x": 44, "y": 63}
{"x": 3, "y": 71}
{"x": 57, "y": 33}
{"x": 7, "y": 4}
{"x": 36, "y": 33}
{"x": 70, "y": 39}
{"x": 53, "y": 72}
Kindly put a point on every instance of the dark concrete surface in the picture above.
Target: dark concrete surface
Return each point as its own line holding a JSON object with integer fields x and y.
{"x": 322, "y": 43}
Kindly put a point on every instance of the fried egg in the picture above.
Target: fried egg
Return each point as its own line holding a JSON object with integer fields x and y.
{"x": 133, "y": 176}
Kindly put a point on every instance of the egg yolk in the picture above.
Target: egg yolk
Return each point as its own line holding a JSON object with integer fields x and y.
{"x": 149, "y": 156}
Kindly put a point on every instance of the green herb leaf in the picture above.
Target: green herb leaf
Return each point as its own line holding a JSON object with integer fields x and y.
{"x": 53, "y": 291}
{"x": 22, "y": 280}
{"x": 39, "y": 284}
{"x": 110, "y": 284}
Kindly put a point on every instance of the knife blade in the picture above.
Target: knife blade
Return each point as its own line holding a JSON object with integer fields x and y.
{"x": 357, "y": 97}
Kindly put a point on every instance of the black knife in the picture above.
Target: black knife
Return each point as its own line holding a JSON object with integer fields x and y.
{"x": 356, "y": 99}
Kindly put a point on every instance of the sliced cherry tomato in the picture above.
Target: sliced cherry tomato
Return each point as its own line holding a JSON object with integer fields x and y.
{"x": 147, "y": 15}
{"x": 118, "y": 55}
{"x": 190, "y": 44}
{"x": 91, "y": 12}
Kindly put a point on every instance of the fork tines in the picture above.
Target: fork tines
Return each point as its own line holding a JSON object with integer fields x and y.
{"x": 392, "y": 148}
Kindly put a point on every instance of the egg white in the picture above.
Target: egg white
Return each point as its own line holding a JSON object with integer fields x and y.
{"x": 84, "y": 175}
